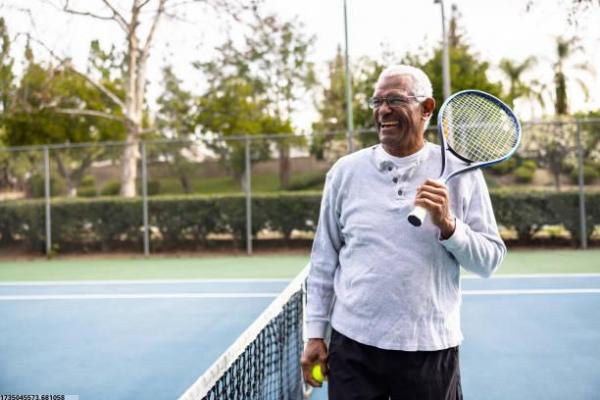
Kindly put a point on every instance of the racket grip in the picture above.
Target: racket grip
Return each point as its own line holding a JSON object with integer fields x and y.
{"x": 417, "y": 216}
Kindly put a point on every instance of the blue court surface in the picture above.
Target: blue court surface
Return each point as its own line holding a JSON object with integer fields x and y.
{"x": 526, "y": 337}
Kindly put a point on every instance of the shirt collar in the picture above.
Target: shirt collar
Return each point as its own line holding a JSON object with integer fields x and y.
{"x": 384, "y": 160}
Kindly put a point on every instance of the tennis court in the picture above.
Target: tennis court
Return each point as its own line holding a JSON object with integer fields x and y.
{"x": 148, "y": 328}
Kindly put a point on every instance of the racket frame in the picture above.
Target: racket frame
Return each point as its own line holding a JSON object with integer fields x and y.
{"x": 472, "y": 165}
{"x": 419, "y": 213}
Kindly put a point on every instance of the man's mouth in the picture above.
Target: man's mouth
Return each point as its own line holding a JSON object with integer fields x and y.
{"x": 388, "y": 124}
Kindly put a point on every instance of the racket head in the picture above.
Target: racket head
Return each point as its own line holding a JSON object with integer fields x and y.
{"x": 478, "y": 128}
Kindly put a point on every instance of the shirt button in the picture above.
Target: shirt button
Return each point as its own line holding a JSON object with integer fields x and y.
{"x": 400, "y": 192}
{"x": 389, "y": 168}
{"x": 395, "y": 180}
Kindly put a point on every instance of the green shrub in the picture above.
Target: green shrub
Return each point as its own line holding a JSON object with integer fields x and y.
{"x": 86, "y": 192}
{"x": 87, "y": 187}
{"x": 590, "y": 174}
{"x": 505, "y": 167}
{"x": 36, "y": 187}
{"x": 87, "y": 181}
{"x": 524, "y": 174}
{"x": 153, "y": 188}
{"x": 568, "y": 167}
{"x": 529, "y": 164}
{"x": 111, "y": 188}
{"x": 311, "y": 181}
{"x": 184, "y": 222}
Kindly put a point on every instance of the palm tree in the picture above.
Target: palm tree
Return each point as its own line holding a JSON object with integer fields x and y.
{"x": 517, "y": 87}
{"x": 565, "y": 72}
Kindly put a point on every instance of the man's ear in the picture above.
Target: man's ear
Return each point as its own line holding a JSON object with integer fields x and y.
{"x": 428, "y": 105}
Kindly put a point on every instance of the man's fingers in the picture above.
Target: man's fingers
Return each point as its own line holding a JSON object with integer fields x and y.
{"x": 315, "y": 353}
{"x": 434, "y": 183}
{"x": 324, "y": 367}
{"x": 308, "y": 379}
{"x": 436, "y": 198}
{"x": 429, "y": 205}
{"x": 442, "y": 191}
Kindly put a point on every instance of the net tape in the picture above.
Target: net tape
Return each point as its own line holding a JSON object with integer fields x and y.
{"x": 478, "y": 129}
{"x": 264, "y": 363}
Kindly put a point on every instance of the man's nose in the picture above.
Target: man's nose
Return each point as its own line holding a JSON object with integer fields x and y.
{"x": 384, "y": 108}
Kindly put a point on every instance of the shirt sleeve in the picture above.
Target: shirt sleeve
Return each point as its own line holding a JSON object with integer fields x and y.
{"x": 476, "y": 243}
{"x": 323, "y": 262}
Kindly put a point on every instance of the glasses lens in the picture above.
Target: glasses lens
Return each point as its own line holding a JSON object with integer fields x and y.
{"x": 398, "y": 101}
{"x": 375, "y": 102}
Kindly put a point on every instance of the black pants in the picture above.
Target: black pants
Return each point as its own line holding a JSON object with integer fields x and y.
{"x": 362, "y": 372}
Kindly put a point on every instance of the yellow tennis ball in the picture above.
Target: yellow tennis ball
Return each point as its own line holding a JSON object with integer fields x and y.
{"x": 317, "y": 374}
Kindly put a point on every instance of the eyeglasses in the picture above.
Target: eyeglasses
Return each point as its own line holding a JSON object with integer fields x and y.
{"x": 392, "y": 101}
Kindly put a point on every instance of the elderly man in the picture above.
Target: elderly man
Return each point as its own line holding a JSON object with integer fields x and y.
{"x": 390, "y": 291}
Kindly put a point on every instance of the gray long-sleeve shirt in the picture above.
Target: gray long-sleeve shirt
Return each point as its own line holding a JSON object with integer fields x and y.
{"x": 381, "y": 281}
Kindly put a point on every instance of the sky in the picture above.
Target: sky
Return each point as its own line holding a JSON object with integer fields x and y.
{"x": 494, "y": 29}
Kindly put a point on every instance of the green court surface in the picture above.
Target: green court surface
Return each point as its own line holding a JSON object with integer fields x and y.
{"x": 260, "y": 266}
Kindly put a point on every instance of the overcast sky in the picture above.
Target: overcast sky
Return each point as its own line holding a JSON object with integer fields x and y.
{"x": 495, "y": 29}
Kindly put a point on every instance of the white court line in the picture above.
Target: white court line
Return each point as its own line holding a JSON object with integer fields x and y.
{"x": 140, "y": 282}
{"x": 528, "y": 291}
{"x": 509, "y": 292}
{"x": 139, "y": 296}
{"x": 529, "y": 276}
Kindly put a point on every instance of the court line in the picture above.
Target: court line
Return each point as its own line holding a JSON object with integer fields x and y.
{"x": 147, "y": 296}
{"x": 530, "y": 276}
{"x": 142, "y": 282}
{"x": 529, "y": 291}
{"x": 136, "y": 296}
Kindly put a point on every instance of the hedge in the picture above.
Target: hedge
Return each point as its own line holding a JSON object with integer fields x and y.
{"x": 184, "y": 222}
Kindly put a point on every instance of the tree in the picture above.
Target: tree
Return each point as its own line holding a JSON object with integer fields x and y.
{"x": 565, "y": 73}
{"x": 230, "y": 108}
{"x": 278, "y": 54}
{"x": 517, "y": 86}
{"x": 176, "y": 118}
{"x": 574, "y": 8}
{"x": 332, "y": 104}
{"x": 139, "y": 25}
{"x": 6, "y": 92}
{"x": 39, "y": 113}
{"x": 590, "y": 134}
{"x": 271, "y": 68}
{"x": 551, "y": 144}
{"x": 467, "y": 71}
{"x": 6, "y": 73}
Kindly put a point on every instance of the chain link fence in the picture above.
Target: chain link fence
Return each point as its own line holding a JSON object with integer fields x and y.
{"x": 66, "y": 198}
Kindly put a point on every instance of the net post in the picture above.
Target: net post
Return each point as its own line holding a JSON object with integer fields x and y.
{"x": 582, "y": 221}
{"x": 47, "y": 195}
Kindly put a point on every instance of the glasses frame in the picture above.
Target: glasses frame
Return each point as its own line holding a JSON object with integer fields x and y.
{"x": 386, "y": 100}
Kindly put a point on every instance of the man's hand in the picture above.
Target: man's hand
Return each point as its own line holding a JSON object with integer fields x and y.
{"x": 433, "y": 196}
{"x": 315, "y": 352}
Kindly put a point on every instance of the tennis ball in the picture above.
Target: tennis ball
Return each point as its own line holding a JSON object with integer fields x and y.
{"x": 317, "y": 374}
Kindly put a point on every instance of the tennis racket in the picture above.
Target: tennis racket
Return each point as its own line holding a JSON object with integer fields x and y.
{"x": 477, "y": 128}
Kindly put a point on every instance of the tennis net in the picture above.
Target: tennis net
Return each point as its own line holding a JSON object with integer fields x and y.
{"x": 264, "y": 362}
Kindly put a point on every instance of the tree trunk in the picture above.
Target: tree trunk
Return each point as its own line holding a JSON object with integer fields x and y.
{"x": 129, "y": 165}
{"x": 284, "y": 165}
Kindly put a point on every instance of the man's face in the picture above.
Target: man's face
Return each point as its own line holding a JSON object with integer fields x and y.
{"x": 400, "y": 127}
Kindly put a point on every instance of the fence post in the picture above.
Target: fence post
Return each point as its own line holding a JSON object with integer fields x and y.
{"x": 145, "y": 200}
{"x": 582, "y": 221}
{"x": 248, "y": 190}
{"x": 47, "y": 195}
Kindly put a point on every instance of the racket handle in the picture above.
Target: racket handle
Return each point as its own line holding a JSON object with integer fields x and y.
{"x": 417, "y": 216}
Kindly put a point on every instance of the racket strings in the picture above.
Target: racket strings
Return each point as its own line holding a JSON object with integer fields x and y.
{"x": 478, "y": 129}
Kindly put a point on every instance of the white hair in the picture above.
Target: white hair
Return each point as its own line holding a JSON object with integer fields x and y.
{"x": 421, "y": 83}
